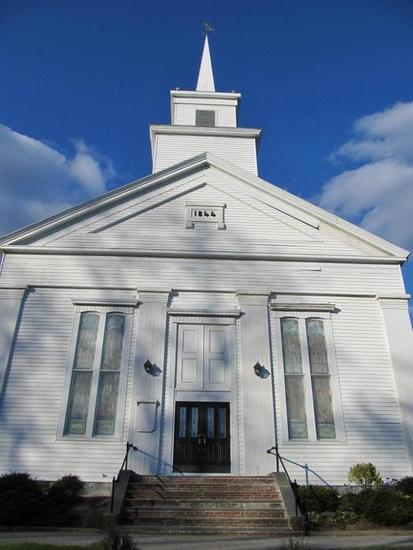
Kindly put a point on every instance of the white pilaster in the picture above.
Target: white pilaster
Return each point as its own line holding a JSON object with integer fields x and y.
{"x": 144, "y": 431}
{"x": 10, "y": 304}
{"x": 400, "y": 341}
{"x": 257, "y": 399}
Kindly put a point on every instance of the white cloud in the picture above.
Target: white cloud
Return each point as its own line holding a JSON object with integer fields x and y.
{"x": 378, "y": 194}
{"x": 37, "y": 180}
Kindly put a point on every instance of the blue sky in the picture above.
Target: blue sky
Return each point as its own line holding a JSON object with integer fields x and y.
{"x": 330, "y": 82}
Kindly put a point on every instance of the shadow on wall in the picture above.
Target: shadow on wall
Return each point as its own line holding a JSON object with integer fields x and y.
{"x": 31, "y": 405}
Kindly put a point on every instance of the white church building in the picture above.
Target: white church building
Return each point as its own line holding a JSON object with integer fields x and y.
{"x": 204, "y": 315}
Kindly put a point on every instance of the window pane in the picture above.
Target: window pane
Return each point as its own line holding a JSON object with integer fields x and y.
{"x": 323, "y": 408}
{"x": 210, "y": 422}
{"x": 291, "y": 345}
{"x": 86, "y": 341}
{"x": 112, "y": 343}
{"x": 205, "y": 118}
{"x": 297, "y": 422}
{"x": 194, "y": 421}
{"x": 317, "y": 346}
{"x": 78, "y": 402}
{"x": 182, "y": 422}
{"x": 106, "y": 403}
{"x": 222, "y": 422}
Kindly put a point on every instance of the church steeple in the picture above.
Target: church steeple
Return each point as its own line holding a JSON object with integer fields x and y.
{"x": 204, "y": 121}
{"x": 206, "y": 76}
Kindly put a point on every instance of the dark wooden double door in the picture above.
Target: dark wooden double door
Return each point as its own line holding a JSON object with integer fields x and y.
{"x": 202, "y": 437}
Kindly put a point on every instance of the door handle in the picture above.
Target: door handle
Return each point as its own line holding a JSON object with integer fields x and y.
{"x": 202, "y": 440}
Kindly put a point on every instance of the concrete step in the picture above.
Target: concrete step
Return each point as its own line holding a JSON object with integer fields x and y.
{"x": 225, "y": 515}
{"x": 206, "y": 504}
{"x": 217, "y": 505}
{"x": 202, "y": 479}
{"x": 209, "y": 530}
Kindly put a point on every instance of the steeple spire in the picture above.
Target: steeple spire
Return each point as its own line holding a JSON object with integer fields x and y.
{"x": 206, "y": 77}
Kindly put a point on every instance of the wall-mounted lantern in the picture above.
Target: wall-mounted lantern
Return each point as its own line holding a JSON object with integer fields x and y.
{"x": 260, "y": 370}
{"x": 151, "y": 368}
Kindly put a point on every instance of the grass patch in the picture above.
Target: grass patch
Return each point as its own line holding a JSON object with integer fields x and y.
{"x": 43, "y": 546}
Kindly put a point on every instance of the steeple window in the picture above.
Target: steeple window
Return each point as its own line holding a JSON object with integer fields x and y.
{"x": 205, "y": 118}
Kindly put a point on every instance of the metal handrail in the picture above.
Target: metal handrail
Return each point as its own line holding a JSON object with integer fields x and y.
{"x": 174, "y": 468}
{"x": 305, "y": 467}
{"x": 293, "y": 484}
{"x": 124, "y": 466}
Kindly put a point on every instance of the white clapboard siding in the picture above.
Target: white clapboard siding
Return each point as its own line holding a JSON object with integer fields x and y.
{"x": 261, "y": 229}
{"x": 32, "y": 402}
{"x": 171, "y": 149}
{"x": 130, "y": 272}
{"x": 254, "y": 223}
{"x": 373, "y": 431}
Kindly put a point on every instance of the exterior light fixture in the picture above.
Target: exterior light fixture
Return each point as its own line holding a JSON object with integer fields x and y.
{"x": 151, "y": 368}
{"x": 260, "y": 370}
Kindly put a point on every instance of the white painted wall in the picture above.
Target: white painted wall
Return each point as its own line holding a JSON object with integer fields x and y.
{"x": 184, "y": 105}
{"x": 170, "y": 149}
{"x": 31, "y": 404}
{"x": 371, "y": 413}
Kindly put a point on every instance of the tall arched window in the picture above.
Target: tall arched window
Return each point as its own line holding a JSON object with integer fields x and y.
{"x": 97, "y": 373}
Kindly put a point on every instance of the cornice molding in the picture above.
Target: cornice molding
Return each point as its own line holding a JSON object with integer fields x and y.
{"x": 204, "y": 312}
{"x": 155, "y": 129}
{"x": 301, "y": 306}
{"x": 27, "y": 249}
{"x": 211, "y": 95}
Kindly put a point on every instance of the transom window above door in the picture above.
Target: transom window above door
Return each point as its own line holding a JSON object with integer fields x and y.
{"x": 203, "y": 358}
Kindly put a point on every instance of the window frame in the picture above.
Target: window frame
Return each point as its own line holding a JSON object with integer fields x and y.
{"x": 302, "y": 317}
{"x": 102, "y": 311}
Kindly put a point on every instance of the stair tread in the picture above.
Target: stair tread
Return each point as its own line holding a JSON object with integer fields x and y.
{"x": 243, "y": 505}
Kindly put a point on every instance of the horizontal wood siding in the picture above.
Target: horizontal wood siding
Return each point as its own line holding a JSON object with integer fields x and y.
{"x": 369, "y": 400}
{"x": 30, "y": 410}
{"x": 160, "y": 224}
{"x": 132, "y": 272}
{"x": 171, "y": 149}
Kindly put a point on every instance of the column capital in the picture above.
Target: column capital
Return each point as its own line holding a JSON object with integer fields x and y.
{"x": 253, "y": 299}
{"x": 155, "y": 295}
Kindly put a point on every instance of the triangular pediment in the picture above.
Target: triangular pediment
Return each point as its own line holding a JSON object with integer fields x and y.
{"x": 154, "y": 215}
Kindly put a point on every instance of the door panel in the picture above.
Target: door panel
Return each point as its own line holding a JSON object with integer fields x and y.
{"x": 216, "y": 358}
{"x": 202, "y": 437}
{"x": 189, "y": 374}
{"x": 203, "y": 359}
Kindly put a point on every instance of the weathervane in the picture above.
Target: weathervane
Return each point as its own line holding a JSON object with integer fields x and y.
{"x": 208, "y": 28}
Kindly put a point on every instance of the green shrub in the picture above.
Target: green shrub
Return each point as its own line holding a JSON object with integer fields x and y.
{"x": 365, "y": 475}
{"x": 20, "y": 498}
{"x": 315, "y": 498}
{"x": 65, "y": 491}
{"x": 388, "y": 506}
{"x": 331, "y": 520}
{"x": 115, "y": 539}
{"x": 405, "y": 485}
{"x": 356, "y": 502}
{"x": 60, "y": 499}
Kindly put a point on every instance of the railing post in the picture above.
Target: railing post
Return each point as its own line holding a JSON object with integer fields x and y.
{"x": 306, "y": 473}
{"x": 277, "y": 458}
{"x": 126, "y": 457}
{"x": 112, "y": 497}
{"x": 295, "y": 496}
